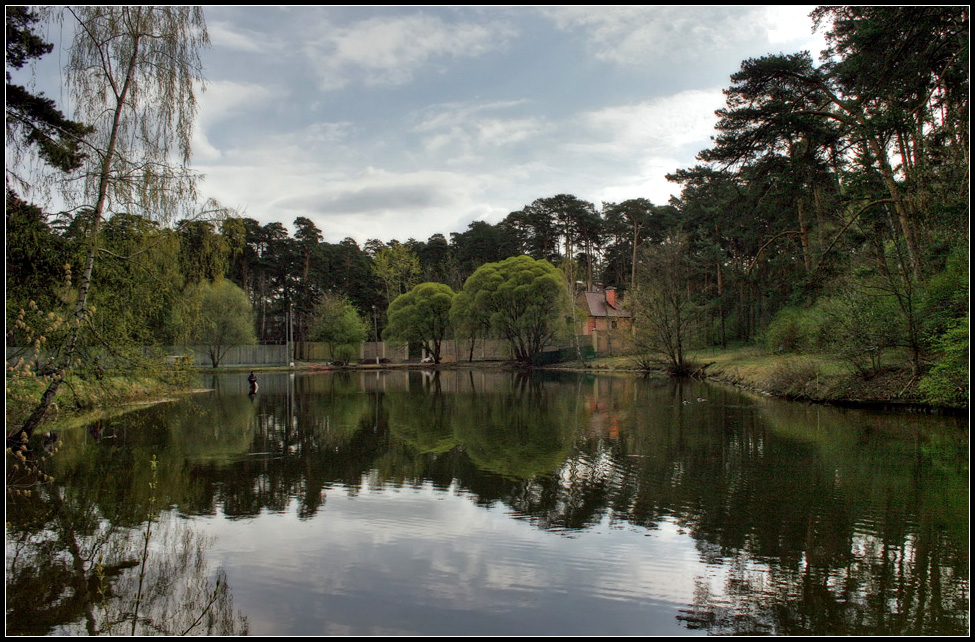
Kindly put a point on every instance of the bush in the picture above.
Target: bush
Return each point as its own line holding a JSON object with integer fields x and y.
{"x": 946, "y": 384}
{"x": 860, "y": 326}
{"x": 338, "y": 323}
{"x": 795, "y": 330}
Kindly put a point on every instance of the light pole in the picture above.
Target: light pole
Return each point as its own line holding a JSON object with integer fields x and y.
{"x": 375, "y": 334}
{"x": 291, "y": 336}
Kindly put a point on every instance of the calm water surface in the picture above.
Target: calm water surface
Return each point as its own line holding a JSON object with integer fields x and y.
{"x": 494, "y": 503}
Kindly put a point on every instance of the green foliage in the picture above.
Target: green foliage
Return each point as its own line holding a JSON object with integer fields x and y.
{"x": 217, "y": 315}
{"x": 945, "y": 315}
{"x": 422, "y": 316}
{"x": 203, "y": 252}
{"x": 338, "y": 323}
{"x": 469, "y": 322}
{"x": 139, "y": 284}
{"x": 522, "y": 300}
{"x": 862, "y": 325}
{"x": 946, "y": 295}
{"x": 482, "y": 243}
{"x": 397, "y": 266}
{"x": 796, "y": 330}
{"x": 629, "y": 225}
{"x": 947, "y": 383}
{"x": 35, "y": 257}
{"x": 33, "y": 118}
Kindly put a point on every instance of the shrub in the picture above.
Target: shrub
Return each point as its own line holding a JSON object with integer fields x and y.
{"x": 860, "y": 326}
{"x": 795, "y": 330}
{"x": 946, "y": 384}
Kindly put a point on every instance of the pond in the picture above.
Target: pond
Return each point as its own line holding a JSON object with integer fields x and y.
{"x": 490, "y": 502}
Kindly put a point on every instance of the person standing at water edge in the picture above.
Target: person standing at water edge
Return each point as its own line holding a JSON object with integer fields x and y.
{"x": 252, "y": 382}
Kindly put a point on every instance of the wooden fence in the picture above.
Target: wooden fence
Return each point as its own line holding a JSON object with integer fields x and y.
{"x": 451, "y": 351}
{"x": 256, "y": 355}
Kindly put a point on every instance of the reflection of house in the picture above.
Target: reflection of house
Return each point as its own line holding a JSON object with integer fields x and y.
{"x": 603, "y": 311}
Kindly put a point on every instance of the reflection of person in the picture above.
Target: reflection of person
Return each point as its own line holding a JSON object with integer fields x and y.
{"x": 252, "y": 382}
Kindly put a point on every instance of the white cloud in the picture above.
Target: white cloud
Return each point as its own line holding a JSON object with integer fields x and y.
{"x": 463, "y": 133}
{"x": 639, "y": 35}
{"x": 790, "y": 29}
{"x": 390, "y": 50}
{"x": 787, "y": 24}
{"x": 328, "y": 133}
{"x": 500, "y": 132}
{"x": 224, "y": 35}
{"x": 221, "y": 99}
{"x": 648, "y": 180}
{"x": 225, "y": 96}
{"x": 663, "y": 125}
{"x": 379, "y": 192}
{"x": 372, "y": 203}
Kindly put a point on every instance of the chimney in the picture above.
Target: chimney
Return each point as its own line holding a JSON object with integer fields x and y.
{"x": 611, "y": 297}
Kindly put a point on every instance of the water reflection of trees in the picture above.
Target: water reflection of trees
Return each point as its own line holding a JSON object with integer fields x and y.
{"x": 70, "y": 569}
{"x": 519, "y": 429}
{"x": 820, "y": 522}
{"x": 317, "y": 437}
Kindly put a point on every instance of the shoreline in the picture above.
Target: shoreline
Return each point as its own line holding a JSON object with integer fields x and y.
{"x": 800, "y": 378}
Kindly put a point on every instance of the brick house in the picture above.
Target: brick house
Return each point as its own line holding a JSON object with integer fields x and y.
{"x": 604, "y": 314}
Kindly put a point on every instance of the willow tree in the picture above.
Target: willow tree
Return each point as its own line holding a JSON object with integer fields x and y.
{"x": 132, "y": 74}
{"x": 522, "y": 300}
{"x": 421, "y": 315}
{"x": 219, "y": 317}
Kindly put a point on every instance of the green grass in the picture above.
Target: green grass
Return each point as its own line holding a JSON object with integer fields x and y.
{"x": 814, "y": 377}
{"x": 79, "y": 395}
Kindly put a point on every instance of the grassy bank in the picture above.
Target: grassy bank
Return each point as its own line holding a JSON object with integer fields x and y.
{"x": 810, "y": 377}
{"x": 80, "y": 396}
{"x": 821, "y": 378}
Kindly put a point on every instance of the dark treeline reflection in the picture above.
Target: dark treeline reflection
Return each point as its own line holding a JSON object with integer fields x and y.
{"x": 81, "y": 562}
{"x": 823, "y": 520}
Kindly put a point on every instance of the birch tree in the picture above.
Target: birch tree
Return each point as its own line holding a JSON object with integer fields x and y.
{"x": 132, "y": 74}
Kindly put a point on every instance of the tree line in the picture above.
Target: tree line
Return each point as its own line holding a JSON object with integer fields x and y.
{"x": 831, "y": 211}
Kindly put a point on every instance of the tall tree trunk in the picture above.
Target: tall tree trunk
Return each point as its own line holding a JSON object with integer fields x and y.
{"x": 804, "y": 235}
{"x": 724, "y": 341}
{"x": 84, "y": 284}
{"x": 636, "y": 238}
{"x": 900, "y": 207}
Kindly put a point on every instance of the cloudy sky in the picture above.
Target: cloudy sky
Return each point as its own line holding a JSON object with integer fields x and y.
{"x": 398, "y": 122}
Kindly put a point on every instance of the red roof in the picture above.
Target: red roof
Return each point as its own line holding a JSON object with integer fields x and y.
{"x": 596, "y": 306}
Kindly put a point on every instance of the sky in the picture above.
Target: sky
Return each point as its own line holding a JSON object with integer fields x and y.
{"x": 402, "y": 122}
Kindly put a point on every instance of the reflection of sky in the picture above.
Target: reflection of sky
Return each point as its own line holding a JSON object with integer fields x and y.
{"x": 421, "y": 561}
